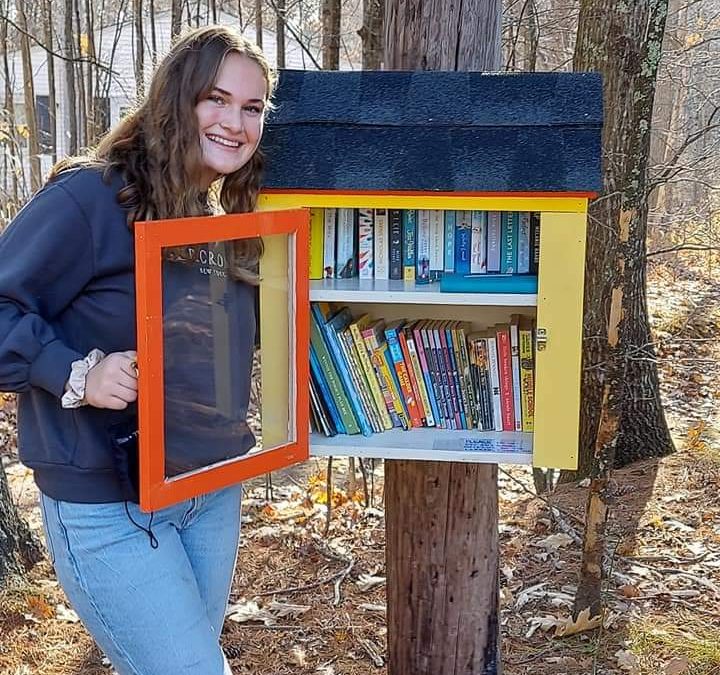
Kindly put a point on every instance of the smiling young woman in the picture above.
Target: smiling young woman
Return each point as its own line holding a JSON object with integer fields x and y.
{"x": 152, "y": 590}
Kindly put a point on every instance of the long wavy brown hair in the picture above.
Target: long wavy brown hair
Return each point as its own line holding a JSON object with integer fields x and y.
{"x": 156, "y": 147}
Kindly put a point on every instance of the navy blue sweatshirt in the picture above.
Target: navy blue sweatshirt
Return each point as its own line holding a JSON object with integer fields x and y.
{"x": 67, "y": 285}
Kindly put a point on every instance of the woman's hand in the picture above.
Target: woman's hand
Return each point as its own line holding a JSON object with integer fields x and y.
{"x": 112, "y": 383}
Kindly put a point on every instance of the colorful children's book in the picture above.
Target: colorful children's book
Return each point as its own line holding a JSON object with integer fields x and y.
{"x": 409, "y": 244}
{"x": 317, "y": 218}
{"x": 401, "y": 370}
{"x": 527, "y": 374}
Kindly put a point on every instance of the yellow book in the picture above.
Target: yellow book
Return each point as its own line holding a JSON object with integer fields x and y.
{"x": 356, "y": 328}
{"x": 317, "y": 227}
{"x": 527, "y": 375}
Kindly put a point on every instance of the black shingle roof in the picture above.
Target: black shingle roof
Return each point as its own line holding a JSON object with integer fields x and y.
{"x": 444, "y": 131}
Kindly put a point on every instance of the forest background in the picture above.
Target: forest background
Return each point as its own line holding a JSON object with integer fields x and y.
{"x": 660, "y": 589}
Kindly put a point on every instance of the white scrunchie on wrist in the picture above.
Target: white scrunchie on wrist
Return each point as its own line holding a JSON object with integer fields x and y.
{"x": 74, "y": 396}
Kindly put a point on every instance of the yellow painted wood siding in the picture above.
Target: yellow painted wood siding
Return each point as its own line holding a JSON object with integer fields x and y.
{"x": 559, "y": 312}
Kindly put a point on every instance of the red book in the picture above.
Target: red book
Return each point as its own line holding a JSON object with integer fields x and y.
{"x": 502, "y": 333}
{"x": 392, "y": 333}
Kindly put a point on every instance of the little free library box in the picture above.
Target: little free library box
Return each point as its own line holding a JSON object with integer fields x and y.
{"x": 418, "y": 296}
{"x": 447, "y": 257}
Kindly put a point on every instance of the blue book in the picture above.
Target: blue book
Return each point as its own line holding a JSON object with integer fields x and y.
{"x": 319, "y": 377}
{"x": 463, "y": 242}
{"x": 508, "y": 242}
{"x": 330, "y": 326}
{"x": 409, "y": 248}
{"x": 488, "y": 283}
{"x": 450, "y": 219}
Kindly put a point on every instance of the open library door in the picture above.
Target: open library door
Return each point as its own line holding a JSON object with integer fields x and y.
{"x": 222, "y": 321}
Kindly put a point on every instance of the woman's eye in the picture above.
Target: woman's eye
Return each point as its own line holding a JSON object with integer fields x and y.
{"x": 216, "y": 99}
{"x": 254, "y": 109}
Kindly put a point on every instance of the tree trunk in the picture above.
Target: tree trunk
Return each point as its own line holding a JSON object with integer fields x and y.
{"x": 371, "y": 34}
{"x": 70, "y": 79}
{"x": 29, "y": 92}
{"x": 258, "y": 23}
{"x": 139, "y": 49}
{"x": 8, "y": 160}
{"x": 331, "y": 34}
{"x": 442, "y": 517}
{"x": 280, "y": 32}
{"x": 19, "y": 550}
{"x": 623, "y": 42}
{"x": 622, "y": 418}
{"x": 175, "y": 18}
{"x": 80, "y": 81}
{"x": 52, "y": 90}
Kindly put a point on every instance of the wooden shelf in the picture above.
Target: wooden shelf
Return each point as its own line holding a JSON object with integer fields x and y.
{"x": 401, "y": 292}
{"x": 430, "y": 444}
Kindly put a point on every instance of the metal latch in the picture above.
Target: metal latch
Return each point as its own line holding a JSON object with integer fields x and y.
{"x": 541, "y": 339}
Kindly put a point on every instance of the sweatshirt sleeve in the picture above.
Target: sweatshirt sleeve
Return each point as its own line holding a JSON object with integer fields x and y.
{"x": 46, "y": 259}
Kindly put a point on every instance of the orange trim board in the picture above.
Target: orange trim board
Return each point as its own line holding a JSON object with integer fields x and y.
{"x": 431, "y": 193}
{"x": 157, "y": 491}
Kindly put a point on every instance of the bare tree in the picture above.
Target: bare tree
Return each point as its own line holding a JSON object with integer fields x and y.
{"x": 372, "y": 33}
{"x": 175, "y": 18}
{"x": 280, "y": 9}
{"x": 331, "y": 34}
{"x": 52, "y": 89}
{"x": 621, "y": 410}
{"x": 71, "y": 90}
{"x": 29, "y": 93}
{"x": 259, "y": 23}
{"x": 139, "y": 49}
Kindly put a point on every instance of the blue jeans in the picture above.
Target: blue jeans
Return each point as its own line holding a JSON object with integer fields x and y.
{"x": 152, "y": 610}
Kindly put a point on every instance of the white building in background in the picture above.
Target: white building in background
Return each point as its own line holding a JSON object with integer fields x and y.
{"x": 115, "y": 48}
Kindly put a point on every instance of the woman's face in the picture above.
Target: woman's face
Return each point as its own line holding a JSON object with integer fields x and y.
{"x": 230, "y": 117}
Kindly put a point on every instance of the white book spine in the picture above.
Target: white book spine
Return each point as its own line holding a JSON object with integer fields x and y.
{"x": 382, "y": 245}
{"x": 330, "y": 226}
{"x": 515, "y": 367}
{"x": 437, "y": 242}
{"x": 366, "y": 247}
{"x": 494, "y": 226}
{"x": 523, "y": 264}
{"x": 345, "y": 253}
{"x": 494, "y": 368}
{"x": 478, "y": 243}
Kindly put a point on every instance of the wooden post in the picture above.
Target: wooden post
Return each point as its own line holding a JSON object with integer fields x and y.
{"x": 442, "y": 567}
{"x": 442, "y": 517}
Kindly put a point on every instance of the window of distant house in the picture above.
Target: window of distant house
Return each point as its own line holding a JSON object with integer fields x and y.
{"x": 44, "y": 124}
{"x": 102, "y": 115}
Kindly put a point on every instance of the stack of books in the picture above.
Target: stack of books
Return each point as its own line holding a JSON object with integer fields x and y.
{"x": 370, "y": 376}
{"x": 422, "y": 245}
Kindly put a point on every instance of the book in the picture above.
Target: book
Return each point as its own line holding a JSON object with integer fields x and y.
{"x": 375, "y": 339}
{"x": 345, "y": 249}
{"x": 527, "y": 375}
{"x": 494, "y": 371}
{"x": 463, "y": 241}
{"x": 425, "y": 372}
{"x": 330, "y": 324}
{"x": 332, "y": 377}
{"x": 440, "y": 372}
{"x": 451, "y": 359}
{"x": 463, "y": 359}
{"x": 409, "y": 250}
{"x": 534, "y": 243}
{"x": 515, "y": 363}
{"x": 488, "y": 283}
{"x": 366, "y": 245}
{"x": 371, "y": 347}
{"x": 422, "y": 266}
{"x": 494, "y": 230}
{"x": 356, "y": 329}
{"x": 508, "y": 242}
{"x": 413, "y": 373}
{"x": 319, "y": 416}
{"x": 449, "y": 266}
{"x": 482, "y": 382}
{"x": 523, "y": 243}
{"x": 437, "y": 243}
{"x": 357, "y": 375}
{"x": 382, "y": 245}
{"x": 478, "y": 242}
{"x": 317, "y": 233}
{"x": 395, "y": 255}
{"x": 429, "y": 365}
{"x": 401, "y": 370}
{"x": 329, "y": 236}
{"x": 324, "y": 392}
{"x": 502, "y": 334}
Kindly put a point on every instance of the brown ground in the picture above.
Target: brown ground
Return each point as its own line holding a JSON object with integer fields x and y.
{"x": 305, "y": 602}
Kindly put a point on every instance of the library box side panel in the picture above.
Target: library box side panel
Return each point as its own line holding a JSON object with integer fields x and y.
{"x": 559, "y": 350}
